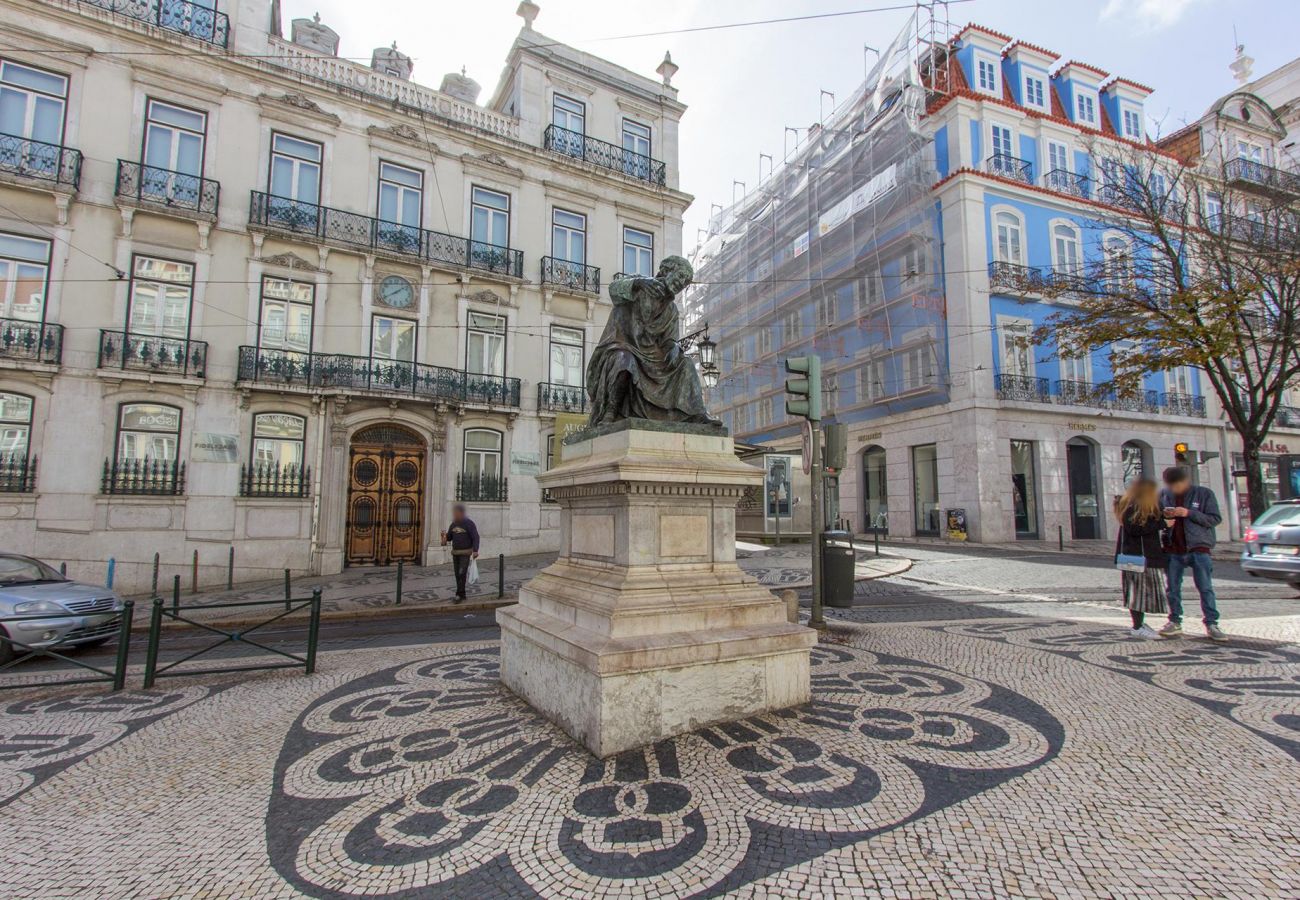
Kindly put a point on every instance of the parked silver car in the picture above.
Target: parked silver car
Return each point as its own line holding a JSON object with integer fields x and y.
{"x": 80, "y": 614}
{"x": 1273, "y": 544}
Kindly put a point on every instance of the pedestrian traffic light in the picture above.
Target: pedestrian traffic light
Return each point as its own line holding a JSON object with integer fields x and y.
{"x": 836, "y": 442}
{"x": 804, "y": 395}
{"x": 1180, "y": 453}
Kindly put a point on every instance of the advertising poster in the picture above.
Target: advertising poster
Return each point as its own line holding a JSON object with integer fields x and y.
{"x": 957, "y": 525}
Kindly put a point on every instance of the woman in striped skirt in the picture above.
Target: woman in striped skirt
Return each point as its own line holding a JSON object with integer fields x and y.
{"x": 1140, "y": 523}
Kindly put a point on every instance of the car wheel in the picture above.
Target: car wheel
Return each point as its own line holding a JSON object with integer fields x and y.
{"x": 7, "y": 652}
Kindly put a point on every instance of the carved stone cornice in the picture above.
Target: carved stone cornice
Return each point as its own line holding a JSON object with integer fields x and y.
{"x": 298, "y": 105}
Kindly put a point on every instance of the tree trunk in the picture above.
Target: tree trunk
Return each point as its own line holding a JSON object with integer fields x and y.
{"x": 1254, "y": 477}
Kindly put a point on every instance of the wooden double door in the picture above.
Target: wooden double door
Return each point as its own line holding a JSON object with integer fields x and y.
{"x": 385, "y": 497}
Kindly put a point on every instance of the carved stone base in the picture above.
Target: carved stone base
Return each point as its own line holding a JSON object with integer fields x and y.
{"x": 645, "y": 627}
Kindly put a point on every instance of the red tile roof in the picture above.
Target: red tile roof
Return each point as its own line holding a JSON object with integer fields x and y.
{"x": 971, "y": 26}
{"x": 1086, "y": 67}
{"x": 1133, "y": 84}
{"x": 1028, "y": 46}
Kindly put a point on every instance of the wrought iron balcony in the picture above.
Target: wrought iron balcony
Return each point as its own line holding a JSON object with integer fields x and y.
{"x": 1276, "y": 232}
{"x": 1065, "y": 182}
{"x": 360, "y": 373}
{"x": 40, "y": 161}
{"x": 570, "y": 276}
{"x": 164, "y": 188}
{"x": 1022, "y": 387}
{"x": 576, "y": 145}
{"x": 561, "y": 397}
{"x": 157, "y": 477}
{"x": 151, "y": 353}
{"x": 1288, "y": 416}
{"x": 471, "y": 488}
{"x": 1178, "y": 404}
{"x": 1266, "y": 178}
{"x": 17, "y": 473}
{"x": 1009, "y": 167}
{"x": 40, "y": 342}
{"x": 270, "y": 480}
{"x": 1079, "y": 393}
{"x": 1141, "y": 401}
{"x": 191, "y": 19}
{"x": 368, "y": 233}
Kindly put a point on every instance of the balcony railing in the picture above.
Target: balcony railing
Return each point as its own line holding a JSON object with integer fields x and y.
{"x": 561, "y": 397}
{"x": 1009, "y": 167}
{"x": 1064, "y": 182}
{"x": 1288, "y": 416}
{"x": 40, "y": 342}
{"x": 1079, "y": 393}
{"x": 1256, "y": 174}
{"x": 269, "y": 480}
{"x": 163, "y": 187}
{"x": 1035, "y": 279}
{"x": 1178, "y": 404}
{"x": 1022, "y": 387}
{"x": 1138, "y": 400}
{"x": 37, "y": 160}
{"x": 472, "y": 488}
{"x": 1277, "y": 232}
{"x": 339, "y": 370}
{"x": 157, "y": 477}
{"x": 17, "y": 473}
{"x": 180, "y": 16}
{"x": 368, "y": 233}
{"x": 151, "y": 353}
{"x": 570, "y": 276}
{"x": 576, "y": 145}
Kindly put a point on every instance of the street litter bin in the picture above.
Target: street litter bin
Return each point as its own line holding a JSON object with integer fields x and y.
{"x": 837, "y": 569}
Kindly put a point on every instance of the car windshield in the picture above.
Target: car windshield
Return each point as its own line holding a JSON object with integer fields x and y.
{"x": 1280, "y": 515}
{"x": 22, "y": 570}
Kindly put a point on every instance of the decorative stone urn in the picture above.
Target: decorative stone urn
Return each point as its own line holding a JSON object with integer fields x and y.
{"x": 645, "y": 627}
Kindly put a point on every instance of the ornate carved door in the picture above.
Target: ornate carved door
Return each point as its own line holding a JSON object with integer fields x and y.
{"x": 385, "y": 496}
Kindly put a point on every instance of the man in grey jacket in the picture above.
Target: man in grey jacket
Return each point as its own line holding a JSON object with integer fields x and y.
{"x": 1191, "y": 515}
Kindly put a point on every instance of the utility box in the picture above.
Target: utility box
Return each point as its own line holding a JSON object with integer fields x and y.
{"x": 837, "y": 569}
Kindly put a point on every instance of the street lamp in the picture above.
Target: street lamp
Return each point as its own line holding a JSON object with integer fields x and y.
{"x": 705, "y": 346}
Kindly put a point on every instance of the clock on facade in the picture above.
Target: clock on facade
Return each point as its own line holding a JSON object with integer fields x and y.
{"x": 397, "y": 292}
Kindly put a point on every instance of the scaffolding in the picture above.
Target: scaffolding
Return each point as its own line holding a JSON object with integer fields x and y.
{"x": 837, "y": 253}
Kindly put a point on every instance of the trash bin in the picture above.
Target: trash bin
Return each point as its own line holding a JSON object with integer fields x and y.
{"x": 837, "y": 569}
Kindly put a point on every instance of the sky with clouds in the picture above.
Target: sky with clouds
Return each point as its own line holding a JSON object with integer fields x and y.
{"x": 744, "y": 85}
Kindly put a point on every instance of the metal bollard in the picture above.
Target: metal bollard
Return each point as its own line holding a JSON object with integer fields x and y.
{"x": 123, "y": 644}
{"x": 286, "y": 588}
{"x": 63, "y": 569}
{"x": 151, "y": 652}
{"x": 153, "y": 589}
{"x": 176, "y": 594}
{"x": 875, "y": 533}
{"x": 313, "y": 632}
{"x": 230, "y": 570}
{"x": 1060, "y": 538}
{"x": 399, "y": 582}
{"x": 194, "y": 574}
{"x": 501, "y": 575}
{"x": 112, "y": 567}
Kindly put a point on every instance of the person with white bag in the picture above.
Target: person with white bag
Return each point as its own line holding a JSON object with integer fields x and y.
{"x": 462, "y": 534}
{"x": 1139, "y": 555}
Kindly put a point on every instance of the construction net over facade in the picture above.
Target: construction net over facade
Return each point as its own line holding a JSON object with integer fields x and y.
{"x": 838, "y": 253}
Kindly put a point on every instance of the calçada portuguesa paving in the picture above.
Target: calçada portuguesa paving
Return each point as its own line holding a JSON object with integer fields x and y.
{"x": 969, "y": 751}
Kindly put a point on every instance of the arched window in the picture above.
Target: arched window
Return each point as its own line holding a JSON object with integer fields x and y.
{"x": 1008, "y": 239}
{"x": 1067, "y": 249}
{"x": 17, "y": 470}
{"x": 1117, "y": 263}
{"x": 1135, "y": 460}
{"x": 481, "y": 475}
{"x": 148, "y": 431}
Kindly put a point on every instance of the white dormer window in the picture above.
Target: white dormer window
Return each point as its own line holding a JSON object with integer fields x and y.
{"x": 986, "y": 75}
{"x": 1035, "y": 92}
{"x": 1085, "y": 108}
{"x": 1132, "y": 124}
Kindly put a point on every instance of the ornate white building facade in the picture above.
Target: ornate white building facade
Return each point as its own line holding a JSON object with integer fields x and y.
{"x": 296, "y": 305}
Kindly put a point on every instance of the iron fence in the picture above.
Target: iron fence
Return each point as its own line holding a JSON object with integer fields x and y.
{"x": 152, "y": 353}
{"x": 17, "y": 473}
{"x": 40, "y": 342}
{"x": 153, "y": 477}
{"x": 1260, "y": 175}
{"x": 421, "y": 381}
{"x": 1009, "y": 167}
{"x": 1079, "y": 393}
{"x": 561, "y": 397}
{"x": 367, "y": 232}
{"x": 571, "y": 276}
{"x": 1022, "y": 387}
{"x": 163, "y": 187}
{"x": 271, "y": 480}
{"x": 181, "y": 16}
{"x": 239, "y": 636}
{"x": 576, "y": 145}
{"x": 473, "y": 488}
{"x": 37, "y": 159}
{"x": 1179, "y": 404}
{"x": 1065, "y": 182}
{"x": 21, "y": 651}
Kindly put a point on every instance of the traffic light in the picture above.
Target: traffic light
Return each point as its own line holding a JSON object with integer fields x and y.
{"x": 836, "y": 440}
{"x": 804, "y": 395}
{"x": 1180, "y": 453}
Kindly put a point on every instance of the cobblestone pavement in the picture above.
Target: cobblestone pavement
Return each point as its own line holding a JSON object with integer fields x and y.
{"x": 967, "y": 741}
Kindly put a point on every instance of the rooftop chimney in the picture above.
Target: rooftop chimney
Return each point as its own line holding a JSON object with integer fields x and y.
{"x": 310, "y": 33}
{"x": 392, "y": 62}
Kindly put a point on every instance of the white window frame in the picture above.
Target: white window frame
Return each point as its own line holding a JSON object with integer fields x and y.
{"x": 1094, "y": 101}
{"x": 1018, "y": 220}
{"x": 995, "y": 70}
{"x": 565, "y": 340}
{"x": 639, "y": 251}
{"x": 1041, "y": 79}
{"x": 397, "y": 324}
{"x": 1016, "y": 326}
{"x": 34, "y": 95}
{"x": 827, "y": 308}
{"x": 1010, "y": 129}
{"x": 1057, "y": 263}
{"x": 293, "y": 308}
{"x": 165, "y": 303}
{"x": 488, "y": 337}
{"x": 268, "y": 449}
{"x": 920, "y": 367}
{"x": 1116, "y": 258}
{"x": 296, "y": 164}
{"x": 871, "y": 382}
{"x": 791, "y": 328}
{"x": 483, "y": 455}
{"x": 1066, "y": 153}
{"x": 18, "y": 252}
{"x": 869, "y": 291}
{"x": 1073, "y": 366}
{"x": 1127, "y": 110}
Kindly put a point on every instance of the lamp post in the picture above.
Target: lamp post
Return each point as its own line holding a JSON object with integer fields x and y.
{"x": 705, "y": 348}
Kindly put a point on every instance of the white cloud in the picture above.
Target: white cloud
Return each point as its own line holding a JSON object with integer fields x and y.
{"x": 1148, "y": 13}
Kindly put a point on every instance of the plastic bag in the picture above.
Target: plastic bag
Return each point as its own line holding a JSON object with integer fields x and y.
{"x": 471, "y": 575}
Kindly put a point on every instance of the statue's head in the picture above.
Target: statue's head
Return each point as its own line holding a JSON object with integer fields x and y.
{"x": 676, "y": 273}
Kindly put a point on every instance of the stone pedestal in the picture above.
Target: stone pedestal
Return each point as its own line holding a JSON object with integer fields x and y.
{"x": 645, "y": 627}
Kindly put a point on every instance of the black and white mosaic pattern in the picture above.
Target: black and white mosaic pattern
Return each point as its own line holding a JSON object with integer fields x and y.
{"x": 429, "y": 774}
